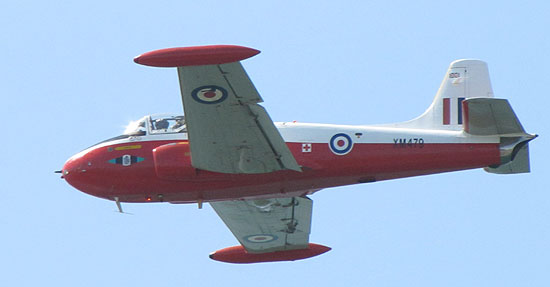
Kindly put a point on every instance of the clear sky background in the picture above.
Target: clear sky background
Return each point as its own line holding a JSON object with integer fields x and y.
{"x": 67, "y": 81}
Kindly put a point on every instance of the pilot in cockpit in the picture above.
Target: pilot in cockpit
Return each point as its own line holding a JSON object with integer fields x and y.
{"x": 161, "y": 124}
{"x": 180, "y": 122}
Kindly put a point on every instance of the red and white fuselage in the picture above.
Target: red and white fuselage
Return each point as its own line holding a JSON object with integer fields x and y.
{"x": 360, "y": 154}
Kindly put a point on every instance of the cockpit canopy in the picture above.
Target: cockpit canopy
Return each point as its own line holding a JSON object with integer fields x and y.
{"x": 156, "y": 124}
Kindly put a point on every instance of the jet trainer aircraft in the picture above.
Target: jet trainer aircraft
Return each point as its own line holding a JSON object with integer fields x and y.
{"x": 257, "y": 174}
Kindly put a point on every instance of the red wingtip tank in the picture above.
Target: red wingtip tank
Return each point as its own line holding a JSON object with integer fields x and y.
{"x": 195, "y": 56}
{"x": 237, "y": 254}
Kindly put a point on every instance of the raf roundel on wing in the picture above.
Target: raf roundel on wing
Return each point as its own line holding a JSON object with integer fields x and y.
{"x": 209, "y": 94}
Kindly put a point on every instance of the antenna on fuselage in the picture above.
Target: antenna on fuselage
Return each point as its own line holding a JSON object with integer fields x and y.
{"x": 119, "y": 206}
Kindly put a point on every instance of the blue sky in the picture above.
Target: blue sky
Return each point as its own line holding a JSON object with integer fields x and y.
{"x": 68, "y": 81}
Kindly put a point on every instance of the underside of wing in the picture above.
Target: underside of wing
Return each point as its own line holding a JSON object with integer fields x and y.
{"x": 268, "y": 230}
{"x": 228, "y": 131}
{"x": 268, "y": 225}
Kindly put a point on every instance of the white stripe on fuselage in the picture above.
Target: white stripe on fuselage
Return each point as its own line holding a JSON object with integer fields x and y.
{"x": 321, "y": 133}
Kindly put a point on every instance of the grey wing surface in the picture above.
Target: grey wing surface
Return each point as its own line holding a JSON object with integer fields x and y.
{"x": 228, "y": 131}
{"x": 268, "y": 225}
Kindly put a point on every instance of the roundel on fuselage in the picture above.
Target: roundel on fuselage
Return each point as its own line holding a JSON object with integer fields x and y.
{"x": 340, "y": 144}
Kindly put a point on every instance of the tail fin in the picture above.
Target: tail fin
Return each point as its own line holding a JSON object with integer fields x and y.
{"x": 465, "y": 102}
{"x": 464, "y": 79}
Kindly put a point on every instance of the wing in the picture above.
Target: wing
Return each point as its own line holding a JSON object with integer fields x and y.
{"x": 228, "y": 131}
{"x": 268, "y": 225}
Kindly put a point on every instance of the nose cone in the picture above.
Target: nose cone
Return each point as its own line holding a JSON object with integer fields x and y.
{"x": 74, "y": 171}
{"x": 83, "y": 173}
{"x": 90, "y": 172}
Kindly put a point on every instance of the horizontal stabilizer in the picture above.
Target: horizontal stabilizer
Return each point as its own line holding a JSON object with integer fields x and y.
{"x": 520, "y": 163}
{"x": 495, "y": 117}
{"x": 486, "y": 116}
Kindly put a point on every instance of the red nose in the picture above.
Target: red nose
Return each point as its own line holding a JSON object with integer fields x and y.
{"x": 85, "y": 172}
{"x": 74, "y": 171}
